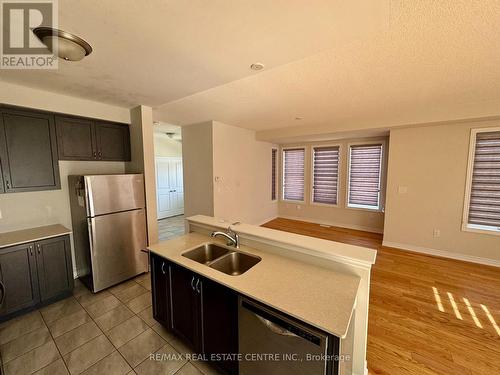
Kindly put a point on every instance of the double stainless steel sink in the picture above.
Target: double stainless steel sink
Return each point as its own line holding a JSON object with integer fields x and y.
{"x": 222, "y": 259}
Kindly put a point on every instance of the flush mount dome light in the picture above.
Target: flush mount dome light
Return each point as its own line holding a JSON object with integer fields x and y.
{"x": 67, "y": 46}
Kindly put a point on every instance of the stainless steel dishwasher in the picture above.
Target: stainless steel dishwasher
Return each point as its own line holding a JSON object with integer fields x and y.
{"x": 271, "y": 343}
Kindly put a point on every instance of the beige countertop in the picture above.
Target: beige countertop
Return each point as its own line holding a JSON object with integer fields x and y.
{"x": 336, "y": 251}
{"x": 318, "y": 296}
{"x": 33, "y": 234}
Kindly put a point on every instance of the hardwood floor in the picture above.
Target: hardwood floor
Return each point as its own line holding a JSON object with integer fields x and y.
{"x": 428, "y": 315}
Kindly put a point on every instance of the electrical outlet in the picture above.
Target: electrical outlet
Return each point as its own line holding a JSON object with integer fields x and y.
{"x": 299, "y": 207}
{"x": 402, "y": 189}
{"x": 436, "y": 233}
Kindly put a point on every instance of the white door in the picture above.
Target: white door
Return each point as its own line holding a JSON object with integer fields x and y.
{"x": 169, "y": 186}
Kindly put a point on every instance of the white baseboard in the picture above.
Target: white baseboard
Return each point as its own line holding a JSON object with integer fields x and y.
{"x": 334, "y": 224}
{"x": 443, "y": 253}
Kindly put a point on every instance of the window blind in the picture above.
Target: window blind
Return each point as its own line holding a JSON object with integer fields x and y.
{"x": 273, "y": 174}
{"x": 293, "y": 174}
{"x": 365, "y": 163}
{"x": 484, "y": 206}
{"x": 325, "y": 174}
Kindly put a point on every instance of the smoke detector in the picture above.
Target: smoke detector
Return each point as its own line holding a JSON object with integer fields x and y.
{"x": 257, "y": 66}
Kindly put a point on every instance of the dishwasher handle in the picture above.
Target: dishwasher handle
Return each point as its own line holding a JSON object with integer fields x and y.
{"x": 274, "y": 327}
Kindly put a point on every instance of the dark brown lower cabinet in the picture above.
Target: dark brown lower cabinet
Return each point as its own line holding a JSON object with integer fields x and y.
{"x": 220, "y": 324}
{"x": 160, "y": 274}
{"x": 34, "y": 274}
{"x": 18, "y": 278}
{"x": 55, "y": 271}
{"x": 186, "y": 306}
{"x": 202, "y": 313}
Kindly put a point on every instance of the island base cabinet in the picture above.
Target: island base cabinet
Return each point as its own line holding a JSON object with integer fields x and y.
{"x": 160, "y": 290}
{"x": 185, "y": 294}
{"x": 202, "y": 313}
{"x": 220, "y": 324}
{"x": 34, "y": 274}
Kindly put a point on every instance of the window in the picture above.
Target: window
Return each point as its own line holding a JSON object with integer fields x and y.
{"x": 325, "y": 174}
{"x": 274, "y": 153}
{"x": 293, "y": 174}
{"x": 482, "y": 208}
{"x": 365, "y": 168}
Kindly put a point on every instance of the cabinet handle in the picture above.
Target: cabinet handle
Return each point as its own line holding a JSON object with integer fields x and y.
{"x": 198, "y": 284}
{"x": 163, "y": 268}
{"x": 39, "y": 248}
{"x": 7, "y": 183}
{"x": 100, "y": 154}
{"x": 31, "y": 250}
{"x": 95, "y": 155}
{"x": 192, "y": 283}
{"x": 3, "y": 293}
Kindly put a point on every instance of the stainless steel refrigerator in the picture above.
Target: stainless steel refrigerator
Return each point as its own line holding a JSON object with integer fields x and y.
{"x": 109, "y": 228}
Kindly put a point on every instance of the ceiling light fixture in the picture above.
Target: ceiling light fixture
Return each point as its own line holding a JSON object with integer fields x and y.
{"x": 257, "y": 66}
{"x": 67, "y": 46}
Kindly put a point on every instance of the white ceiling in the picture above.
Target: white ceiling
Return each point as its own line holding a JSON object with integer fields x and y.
{"x": 341, "y": 66}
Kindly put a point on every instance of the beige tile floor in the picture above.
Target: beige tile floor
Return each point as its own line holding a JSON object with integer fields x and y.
{"x": 171, "y": 227}
{"x": 112, "y": 332}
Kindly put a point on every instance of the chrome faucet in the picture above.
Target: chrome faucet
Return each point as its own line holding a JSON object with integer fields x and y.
{"x": 232, "y": 237}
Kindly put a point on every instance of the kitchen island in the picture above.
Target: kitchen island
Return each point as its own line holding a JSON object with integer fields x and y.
{"x": 314, "y": 287}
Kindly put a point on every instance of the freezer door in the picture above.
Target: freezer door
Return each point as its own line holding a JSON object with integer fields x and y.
{"x": 116, "y": 241}
{"x": 113, "y": 193}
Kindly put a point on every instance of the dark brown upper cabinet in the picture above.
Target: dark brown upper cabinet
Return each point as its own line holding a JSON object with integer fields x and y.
{"x": 28, "y": 151}
{"x": 113, "y": 141}
{"x": 75, "y": 139}
{"x": 86, "y": 139}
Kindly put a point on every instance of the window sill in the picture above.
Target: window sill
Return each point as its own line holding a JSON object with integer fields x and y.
{"x": 480, "y": 229}
{"x": 324, "y": 205}
{"x": 361, "y": 208}
{"x": 292, "y": 201}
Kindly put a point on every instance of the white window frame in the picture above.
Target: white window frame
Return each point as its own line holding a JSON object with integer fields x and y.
{"x": 282, "y": 192}
{"x": 466, "y": 227}
{"x": 311, "y": 182}
{"x": 277, "y": 173}
{"x": 382, "y": 172}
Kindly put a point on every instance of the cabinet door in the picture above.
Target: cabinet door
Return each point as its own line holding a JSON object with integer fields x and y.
{"x": 113, "y": 141}
{"x": 220, "y": 323}
{"x": 55, "y": 271}
{"x": 28, "y": 151}
{"x": 75, "y": 139}
{"x": 160, "y": 289}
{"x": 185, "y": 306}
{"x": 18, "y": 275}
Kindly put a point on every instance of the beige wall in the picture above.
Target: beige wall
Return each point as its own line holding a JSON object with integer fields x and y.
{"x": 430, "y": 163}
{"x": 24, "y": 210}
{"x": 143, "y": 161}
{"x": 242, "y": 171}
{"x": 227, "y": 173}
{"x": 197, "y": 164}
{"x": 340, "y": 215}
{"x": 167, "y": 147}
{"x": 49, "y": 101}
{"x": 34, "y": 209}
